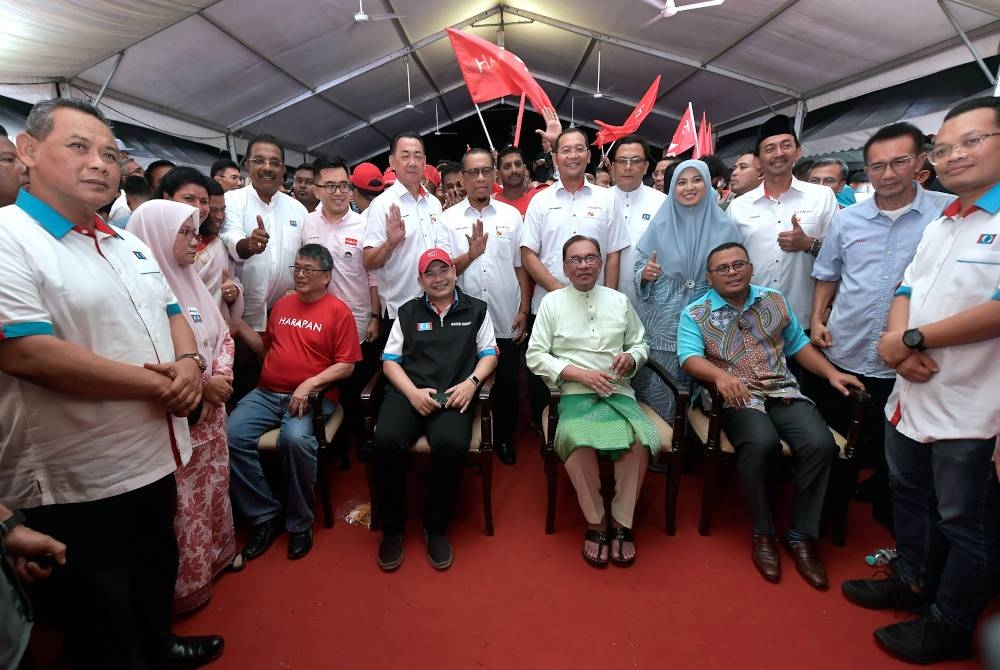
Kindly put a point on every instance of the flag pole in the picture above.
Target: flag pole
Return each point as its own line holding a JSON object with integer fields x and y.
{"x": 520, "y": 117}
{"x": 485, "y": 130}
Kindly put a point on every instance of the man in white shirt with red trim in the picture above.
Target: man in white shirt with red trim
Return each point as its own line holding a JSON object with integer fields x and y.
{"x": 402, "y": 224}
{"x": 943, "y": 339}
{"x": 484, "y": 237}
{"x": 783, "y": 221}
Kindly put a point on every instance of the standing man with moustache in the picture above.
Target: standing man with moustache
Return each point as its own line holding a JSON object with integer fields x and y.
{"x": 783, "y": 220}
{"x": 262, "y": 231}
{"x": 514, "y": 179}
{"x": 302, "y": 187}
{"x": 484, "y": 238}
{"x": 636, "y": 202}
{"x": 402, "y": 223}
{"x": 745, "y": 177}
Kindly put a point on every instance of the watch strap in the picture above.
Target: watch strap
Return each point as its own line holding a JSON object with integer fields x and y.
{"x": 10, "y": 523}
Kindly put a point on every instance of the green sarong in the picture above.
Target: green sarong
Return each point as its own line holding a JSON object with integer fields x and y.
{"x": 609, "y": 425}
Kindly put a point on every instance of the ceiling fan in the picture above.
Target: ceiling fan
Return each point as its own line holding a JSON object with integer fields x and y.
{"x": 362, "y": 17}
{"x": 409, "y": 97}
{"x": 437, "y": 123}
{"x": 670, "y": 8}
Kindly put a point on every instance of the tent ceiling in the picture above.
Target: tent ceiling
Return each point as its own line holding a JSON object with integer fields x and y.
{"x": 310, "y": 75}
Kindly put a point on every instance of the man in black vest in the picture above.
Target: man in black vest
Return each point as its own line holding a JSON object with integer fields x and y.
{"x": 440, "y": 349}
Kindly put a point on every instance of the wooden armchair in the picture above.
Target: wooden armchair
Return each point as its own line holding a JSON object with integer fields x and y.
{"x": 326, "y": 431}
{"x": 480, "y": 452}
{"x": 671, "y": 447}
{"x": 707, "y": 428}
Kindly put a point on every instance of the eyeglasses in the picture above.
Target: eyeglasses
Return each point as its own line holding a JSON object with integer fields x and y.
{"x": 569, "y": 151}
{"x": 257, "y": 161}
{"x": 726, "y": 268}
{"x": 342, "y": 187}
{"x": 305, "y": 272}
{"x": 590, "y": 259}
{"x": 479, "y": 172}
{"x": 629, "y": 160}
{"x": 968, "y": 145}
{"x": 825, "y": 181}
{"x": 897, "y": 164}
{"x": 187, "y": 233}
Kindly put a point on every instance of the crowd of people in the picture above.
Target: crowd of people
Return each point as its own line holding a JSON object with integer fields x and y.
{"x": 174, "y": 317}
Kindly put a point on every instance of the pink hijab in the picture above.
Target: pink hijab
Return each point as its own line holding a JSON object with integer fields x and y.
{"x": 156, "y": 223}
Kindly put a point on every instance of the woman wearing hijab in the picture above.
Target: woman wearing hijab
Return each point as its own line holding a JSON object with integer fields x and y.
{"x": 204, "y": 521}
{"x": 670, "y": 272}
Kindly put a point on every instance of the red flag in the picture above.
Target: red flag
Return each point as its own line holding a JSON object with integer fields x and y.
{"x": 703, "y": 146}
{"x": 607, "y": 134}
{"x": 491, "y": 72}
{"x": 686, "y": 136}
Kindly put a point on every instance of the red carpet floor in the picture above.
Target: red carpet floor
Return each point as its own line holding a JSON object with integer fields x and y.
{"x": 525, "y": 599}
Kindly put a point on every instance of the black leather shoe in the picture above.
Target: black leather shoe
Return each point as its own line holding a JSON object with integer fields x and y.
{"x": 506, "y": 454}
{"x": 194, "y": 651}
{"x": 299, "y": 544}
{"x": 439, "y": 551}
{"x": 765, "y": 557}
{"x": 261, "y": 536}
{"x": 390, "y": 551}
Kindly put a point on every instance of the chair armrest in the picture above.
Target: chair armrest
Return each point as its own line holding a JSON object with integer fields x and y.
{"x": 858, "y": 401}
{"x": 485, "y": 389}
{"x": 370, "y": 392}
{"x": 371, "y": 399}
{"x": 555, "y": 395}
{"x": 682, "y": 397}
{"x": 316, "y": 402}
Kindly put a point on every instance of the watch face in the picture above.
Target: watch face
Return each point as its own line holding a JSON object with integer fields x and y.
{"x": 912, "y": 338}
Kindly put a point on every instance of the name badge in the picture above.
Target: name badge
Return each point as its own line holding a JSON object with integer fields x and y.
{"x": 293, "y": 224}
{"x": 425, "y": 326}
{"x": 194, "y": 314}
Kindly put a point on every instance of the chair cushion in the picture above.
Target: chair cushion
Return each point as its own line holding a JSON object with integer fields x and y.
{"x": 422, "y": 446}
{"x": 269, "y": 440}
{"x": 698, "y": 421}
{"x": 665, "y": 430}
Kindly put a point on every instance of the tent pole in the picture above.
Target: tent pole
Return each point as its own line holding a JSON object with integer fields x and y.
{"x": 800, "y": 117}
{"x": 100, "y": 94}
{"x": 996, "y": 91}
{"x": 231, "y": 143}
{"x": 961, "y": 33}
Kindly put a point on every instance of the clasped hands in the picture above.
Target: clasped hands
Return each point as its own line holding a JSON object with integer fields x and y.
{"x": 914, "y": 366}
{"x": 459, "y": 397}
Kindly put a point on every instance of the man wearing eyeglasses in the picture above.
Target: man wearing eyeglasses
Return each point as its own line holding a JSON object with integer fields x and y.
{"x": 310, "y": 342}
{"x": 738, "y": 337}
{"x": 484, "y": 237}
{"x": 832, "y": 173}
{"x": 636, "y": 202}
{"x": 783, "y": 221}
{"x": 866, "y": 249}
{"x": 943, "y": 339}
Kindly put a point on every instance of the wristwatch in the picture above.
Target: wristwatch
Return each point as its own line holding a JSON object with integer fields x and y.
{"x": 914, "y": 339}
{"x": 374, "y": 315}
{"x": 474, "y": 379}
{"x": 197, "y": 358}
{"x": 814, "y": 247}
{"x": 10, "y": 523}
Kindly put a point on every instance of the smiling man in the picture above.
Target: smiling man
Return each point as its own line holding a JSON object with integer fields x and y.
{"x": 13, "y": 173}
{"x": 783, "y": 220}
{"x": 440, "y": 349}
{"x": 738, "y": 337}
{"x": 90, "y": 330}
{"x": 867, "y": 247}
{"x": 514, "y": 179}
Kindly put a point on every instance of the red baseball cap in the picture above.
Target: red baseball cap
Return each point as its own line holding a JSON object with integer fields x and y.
{"x": 432, "y": 255}
{"x": 432, "y": 175}
{"x": 367, "y": 177}
{"x": 388, "y": 178}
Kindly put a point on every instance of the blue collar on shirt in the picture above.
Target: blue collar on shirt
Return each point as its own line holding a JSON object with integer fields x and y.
{"x": 719, "y": 302}
{"x": 54, "y": 223}
{"x": 990, "y": 201}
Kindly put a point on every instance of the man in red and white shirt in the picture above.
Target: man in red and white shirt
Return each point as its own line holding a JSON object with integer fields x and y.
{"x": 310, "y": 342}
{"x": 943, "y": 339}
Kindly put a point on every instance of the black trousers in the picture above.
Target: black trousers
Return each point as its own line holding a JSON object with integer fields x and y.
{"x": 247, "y": 366}
{"x": 504, "y": 396}
{"x": 112, "y": 598}
{"x": 448, "y": 432}
{"x": 756, "y": 438}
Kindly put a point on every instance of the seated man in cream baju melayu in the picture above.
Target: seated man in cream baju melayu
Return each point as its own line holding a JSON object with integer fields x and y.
{"x": 589, "y": 340}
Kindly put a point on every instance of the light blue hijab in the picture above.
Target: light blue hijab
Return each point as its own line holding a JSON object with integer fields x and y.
{"x": 683, "y": 236}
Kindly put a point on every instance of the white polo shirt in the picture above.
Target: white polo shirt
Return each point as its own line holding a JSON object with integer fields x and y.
{"x": 637, "y": 209}
{"x": 397, "y": 279}
{"x": 265, "y": 276}
{"x": 491, "y": 277}
{"x": 349, "y": 280}
{"x": 555, "y": 215}
{"x": 760, "y": 217}
{"x": 956, "y": 267}
{"x": 103, "y": 292}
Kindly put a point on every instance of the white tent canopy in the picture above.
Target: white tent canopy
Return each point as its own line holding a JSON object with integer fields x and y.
{"x": 322, "y": 82}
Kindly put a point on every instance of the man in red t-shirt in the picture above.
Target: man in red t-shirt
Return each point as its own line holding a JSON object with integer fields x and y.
{"x": 514, "y": 179}
{"x": 311, "y": 341}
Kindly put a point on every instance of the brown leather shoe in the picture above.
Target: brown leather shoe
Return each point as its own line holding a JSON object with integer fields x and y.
{"x": 765, "y": 557}
{"x": 807, "y": 562}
